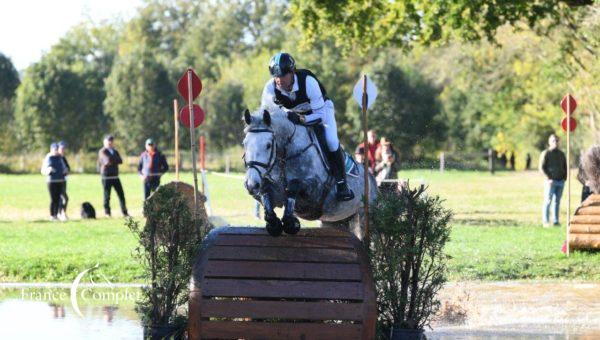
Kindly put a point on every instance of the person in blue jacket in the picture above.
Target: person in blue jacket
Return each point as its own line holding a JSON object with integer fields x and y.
{"x": 152, "y": 165}
{"x": 55, "y": 171}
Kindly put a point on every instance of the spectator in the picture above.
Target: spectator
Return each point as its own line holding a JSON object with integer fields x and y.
{"x": 511, "y": 160}
{"x": 358, "y": 154}
{"x": 108, "y": 165}
{"x": 590, "y": 169}
{"x": 582, "y": 178}
{"x": 553, "y": 164}
{"x": 53, "y": 167}
{"x": 64, "y": 198}
{"x": 386, "y": 162}
{"x": 528, "y": 162}
{"x": 503, "y": 160}
{"x": 373, "y": 144}
{"x": 153, "y": 164}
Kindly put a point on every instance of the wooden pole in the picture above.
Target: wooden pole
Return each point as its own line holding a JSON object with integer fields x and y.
{"x": 193, "y": 141}
{"x": 202, "y": 150}
{"x": 175, "y": 113}
{"x": 366, "y": 158}
{"x": 568, "y": 170}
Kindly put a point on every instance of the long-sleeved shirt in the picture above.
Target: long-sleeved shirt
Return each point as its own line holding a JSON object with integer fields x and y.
{"x": 316, "y": 102}
{"x": 553, "y": 164}
{"x": 108, "y": 162}
{"x": 152, "y": 165}
{"x": 54, "y": 168}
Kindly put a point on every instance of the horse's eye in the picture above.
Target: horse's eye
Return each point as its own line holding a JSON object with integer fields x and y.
{"x": 268, "y": 146}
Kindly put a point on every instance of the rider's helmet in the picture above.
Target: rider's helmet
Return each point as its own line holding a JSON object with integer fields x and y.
{"x": 281, "y": 64}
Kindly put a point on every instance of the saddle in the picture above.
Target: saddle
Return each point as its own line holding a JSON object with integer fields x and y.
{"x": 313, "y": 210}
{"x": 318, "y": 131}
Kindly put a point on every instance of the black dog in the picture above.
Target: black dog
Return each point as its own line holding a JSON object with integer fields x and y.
{"x": 87, "y": 211}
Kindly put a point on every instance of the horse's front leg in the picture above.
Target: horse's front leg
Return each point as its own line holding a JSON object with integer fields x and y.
{"x": 291, "y": 224}
{"x": 274, "y": 225}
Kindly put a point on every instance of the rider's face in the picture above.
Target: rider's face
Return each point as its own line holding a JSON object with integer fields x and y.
{"x": 285, "y": 82}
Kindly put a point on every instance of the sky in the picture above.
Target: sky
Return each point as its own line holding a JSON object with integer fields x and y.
{"x": 28, "y": 28}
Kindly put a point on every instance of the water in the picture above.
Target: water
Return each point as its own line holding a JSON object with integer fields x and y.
{"x": 48, "y": 313}
{"x": 471, "y": 310}
{"x": 517, "y": 310}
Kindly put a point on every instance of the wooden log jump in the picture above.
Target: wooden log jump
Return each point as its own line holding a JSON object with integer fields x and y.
{"x": 313, "y": 285}
{"x": 584, "y": 232}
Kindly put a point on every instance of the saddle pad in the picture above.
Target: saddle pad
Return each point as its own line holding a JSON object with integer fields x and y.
{"x": 351, "y": 165}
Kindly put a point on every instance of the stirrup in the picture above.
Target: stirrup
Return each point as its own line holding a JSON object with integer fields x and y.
{"x": 343, "y": 192}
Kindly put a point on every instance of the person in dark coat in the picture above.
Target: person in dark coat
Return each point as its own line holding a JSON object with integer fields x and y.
{"x": 54, "y": 169}
{"x": 108, "y": 165}
{"x": 152, "y": 165}
{"x": 553, "y": 164}
{"x": 386, "y": 165}
{"x": 64, "y": 198}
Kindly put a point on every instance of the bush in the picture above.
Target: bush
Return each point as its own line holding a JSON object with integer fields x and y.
{"x": 168, "y": 245}
{"x": 406, "y": 253}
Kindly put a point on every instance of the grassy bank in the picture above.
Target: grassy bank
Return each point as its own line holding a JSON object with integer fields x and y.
{"x": 496, "y": 235}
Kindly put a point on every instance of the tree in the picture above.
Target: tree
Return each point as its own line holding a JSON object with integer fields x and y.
{"x": 407, "y": 110}
{"x": 139, "y": 99}
{"x": 224, "y": 107}
{"x": 379, "y": 23}
{"x": 61, "y": 96}
{"x": 9, "y": 81}
{"x": 231, "y": 30}
{"x": 9, "y": 78}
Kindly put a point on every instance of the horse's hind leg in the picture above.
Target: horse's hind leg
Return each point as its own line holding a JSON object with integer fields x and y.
{"x": 354, "y": 224}
{"x": 291, "y": 224}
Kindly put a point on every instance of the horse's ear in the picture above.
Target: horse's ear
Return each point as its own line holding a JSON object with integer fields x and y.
{"x": 247, "y": 117}
{"x": 267, "y": 117}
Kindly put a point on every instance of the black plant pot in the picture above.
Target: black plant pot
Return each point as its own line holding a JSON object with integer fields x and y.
{"x": 407, "y": 334}
{"x": 160, "y": 332}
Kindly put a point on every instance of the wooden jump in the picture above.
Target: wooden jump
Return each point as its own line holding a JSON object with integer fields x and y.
{"x": 313, "y": 285}
{"x": 585, "y": 225}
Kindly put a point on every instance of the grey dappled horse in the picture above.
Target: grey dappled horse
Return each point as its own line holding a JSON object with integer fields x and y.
{"x": 286, "y": 168}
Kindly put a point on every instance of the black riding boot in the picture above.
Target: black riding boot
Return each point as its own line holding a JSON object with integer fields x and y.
{"x": 338, "y": 168}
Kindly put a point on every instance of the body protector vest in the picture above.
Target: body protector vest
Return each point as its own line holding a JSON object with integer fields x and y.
{"x": 301, "y": 104}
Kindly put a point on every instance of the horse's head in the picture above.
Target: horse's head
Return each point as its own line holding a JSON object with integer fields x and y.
{"x": 260, "y": 149}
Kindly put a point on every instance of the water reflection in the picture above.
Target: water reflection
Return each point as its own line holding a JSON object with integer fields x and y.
{"x": 471, "y": 310}
{"x": 23, "y": 318}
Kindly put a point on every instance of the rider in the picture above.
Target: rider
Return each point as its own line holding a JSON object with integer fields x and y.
{"x": 305, "y": 100}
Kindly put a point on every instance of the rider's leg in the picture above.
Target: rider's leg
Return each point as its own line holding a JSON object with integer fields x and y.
{"x": 336, "y": 154}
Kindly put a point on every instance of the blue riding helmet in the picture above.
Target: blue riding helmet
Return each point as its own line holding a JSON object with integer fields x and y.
{"x": 281, "y": 64}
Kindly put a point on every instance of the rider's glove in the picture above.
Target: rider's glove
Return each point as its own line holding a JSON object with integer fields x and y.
{"x": 295, "y": 118}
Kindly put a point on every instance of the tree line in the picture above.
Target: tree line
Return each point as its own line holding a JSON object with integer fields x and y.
{"x": 455, "y": 76}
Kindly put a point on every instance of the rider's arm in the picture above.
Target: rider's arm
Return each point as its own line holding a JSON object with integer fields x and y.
{"x": 317, "y": 104}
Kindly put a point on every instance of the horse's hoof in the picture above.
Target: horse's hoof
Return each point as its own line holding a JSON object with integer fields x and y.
{"x": 274, "y": 226}
{"x": 291, "y": 225}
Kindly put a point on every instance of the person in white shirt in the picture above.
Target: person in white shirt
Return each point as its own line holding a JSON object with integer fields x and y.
{"x": 303, "y": 97}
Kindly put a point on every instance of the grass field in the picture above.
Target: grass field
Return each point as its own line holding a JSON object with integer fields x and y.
{"x": 496, "y": 235}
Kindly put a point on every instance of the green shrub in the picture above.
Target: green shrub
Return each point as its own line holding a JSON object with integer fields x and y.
{"x": 409, "y": 232}
{"x": 169, "y": 243}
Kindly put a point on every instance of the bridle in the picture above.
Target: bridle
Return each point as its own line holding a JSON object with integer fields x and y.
{"x": 256, "y": 165}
